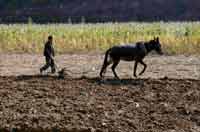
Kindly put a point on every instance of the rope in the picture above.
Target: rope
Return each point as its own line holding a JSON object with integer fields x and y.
{"x": 58, "y": 68}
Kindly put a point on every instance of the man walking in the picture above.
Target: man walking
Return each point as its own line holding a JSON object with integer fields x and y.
{"x": 49, "y": 56}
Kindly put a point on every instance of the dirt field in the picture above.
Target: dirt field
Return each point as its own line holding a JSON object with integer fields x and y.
{"x": 90, "y": 65}
{"x": 165, "y": 99}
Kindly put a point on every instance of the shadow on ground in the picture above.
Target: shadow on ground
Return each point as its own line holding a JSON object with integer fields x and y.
{"x": 96, "y": 80}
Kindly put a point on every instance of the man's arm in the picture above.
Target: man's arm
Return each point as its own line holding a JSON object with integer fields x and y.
{"x": 52, "y": 51}
{"x": 45, "y": 49}
{"x": 48, "y": 50}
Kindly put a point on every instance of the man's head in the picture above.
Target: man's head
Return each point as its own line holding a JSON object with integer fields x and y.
{"x": 50, "y": 38}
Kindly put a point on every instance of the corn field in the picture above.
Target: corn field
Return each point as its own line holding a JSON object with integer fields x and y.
{"x": 175, "y": 37}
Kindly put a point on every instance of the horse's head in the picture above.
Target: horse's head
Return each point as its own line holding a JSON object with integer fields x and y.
{"x": 156, "y": 45}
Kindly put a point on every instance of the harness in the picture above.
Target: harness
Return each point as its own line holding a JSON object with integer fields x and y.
{"x": 142, "y": 47}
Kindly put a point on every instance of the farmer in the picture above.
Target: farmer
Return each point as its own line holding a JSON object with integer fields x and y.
{"x": 49, "y": 56}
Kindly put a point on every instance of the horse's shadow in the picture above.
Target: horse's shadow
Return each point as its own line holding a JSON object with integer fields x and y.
{"x": 114, "y": 81}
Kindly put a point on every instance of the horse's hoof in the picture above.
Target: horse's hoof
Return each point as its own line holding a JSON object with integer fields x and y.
{"x": 117, "y": 78}
{"x": 101, "y": 77}
{"x": 140, "y": 74}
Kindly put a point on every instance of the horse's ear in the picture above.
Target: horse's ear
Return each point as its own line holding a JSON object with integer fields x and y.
{"x": 157, "y": 39}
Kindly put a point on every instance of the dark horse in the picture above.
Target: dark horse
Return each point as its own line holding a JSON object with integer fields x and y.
{"x": 131, "y": 52}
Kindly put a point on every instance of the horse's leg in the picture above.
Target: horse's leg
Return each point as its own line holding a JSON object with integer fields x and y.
{"x": 115, "y": 63}
{"x": 145, "y": 66}
{"x": 105, "y": 65}
{"x": 135, "y": 68}
{"x": 103, "y": 69}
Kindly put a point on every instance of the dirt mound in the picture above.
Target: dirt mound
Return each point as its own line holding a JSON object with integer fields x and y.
{"x": 43, "y": 103}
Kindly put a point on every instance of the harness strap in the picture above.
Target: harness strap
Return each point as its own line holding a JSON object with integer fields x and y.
{"x": 142, "y": 47}
{"x": 147, "y": 47}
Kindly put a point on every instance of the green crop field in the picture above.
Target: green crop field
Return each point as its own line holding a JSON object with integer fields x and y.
{"x": 176, "y": 38}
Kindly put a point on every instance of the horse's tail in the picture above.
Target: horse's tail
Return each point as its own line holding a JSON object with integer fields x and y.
{"x": 105, "y": 62}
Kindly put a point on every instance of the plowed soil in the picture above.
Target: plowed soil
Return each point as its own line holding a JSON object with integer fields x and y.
{"x": 164, "y": 99}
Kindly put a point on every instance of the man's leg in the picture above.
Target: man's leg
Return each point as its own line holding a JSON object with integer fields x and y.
{"x": 53, "y": 67}
{"x": 46, "y": 66}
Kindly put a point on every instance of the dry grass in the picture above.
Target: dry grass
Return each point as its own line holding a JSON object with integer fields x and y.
{"x": 177, "y": 38}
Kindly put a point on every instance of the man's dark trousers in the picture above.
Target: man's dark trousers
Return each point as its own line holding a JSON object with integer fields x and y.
{"x": 49, "y": 63}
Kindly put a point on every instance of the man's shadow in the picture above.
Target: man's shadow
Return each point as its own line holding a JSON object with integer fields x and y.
{"x": 37, "y": 76}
